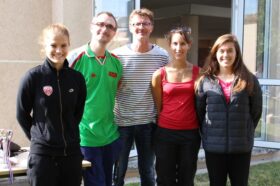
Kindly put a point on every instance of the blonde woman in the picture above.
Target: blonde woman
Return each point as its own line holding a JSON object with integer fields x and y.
{"x": 50, "y": 105}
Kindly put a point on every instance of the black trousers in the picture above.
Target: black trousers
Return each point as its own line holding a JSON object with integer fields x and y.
{"x": 176, "y": 156}
{"x": 54, "y": 170}
{"x": 235, "y": 166}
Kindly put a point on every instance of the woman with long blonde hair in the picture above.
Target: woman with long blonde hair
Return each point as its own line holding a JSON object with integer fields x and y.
{"x": 50, "y": 105}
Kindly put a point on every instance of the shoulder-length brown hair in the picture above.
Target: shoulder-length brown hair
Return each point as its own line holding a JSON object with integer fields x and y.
{"x": 211, "y": 67}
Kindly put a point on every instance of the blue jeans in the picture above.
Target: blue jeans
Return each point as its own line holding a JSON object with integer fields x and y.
{"x": 142, "y": 135}
{"x": 102, "y": 160}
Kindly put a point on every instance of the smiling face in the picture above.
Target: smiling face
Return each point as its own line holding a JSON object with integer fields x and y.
{"x": 226, "y": 55}
{"x": 56, "y": 47}
{"x": 103, "y": 28}
{"x": 179, "y": 47}
{"x": 141, "y": 27}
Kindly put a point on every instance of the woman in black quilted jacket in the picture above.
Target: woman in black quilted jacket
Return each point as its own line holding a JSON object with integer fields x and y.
{"x": 229, "y": 106}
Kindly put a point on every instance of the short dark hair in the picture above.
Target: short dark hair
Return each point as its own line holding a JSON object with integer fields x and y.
{"x": 182, "y": 30}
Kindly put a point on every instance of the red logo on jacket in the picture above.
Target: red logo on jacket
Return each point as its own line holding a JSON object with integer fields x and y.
{"x": 48, "y": 90}
{"x": 113, "y": 74}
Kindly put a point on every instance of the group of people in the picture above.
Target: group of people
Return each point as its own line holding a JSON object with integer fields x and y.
{"x": 94, "y": 104}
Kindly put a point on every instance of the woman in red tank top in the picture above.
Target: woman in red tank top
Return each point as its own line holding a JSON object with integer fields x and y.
{"x": 177, "y": 138}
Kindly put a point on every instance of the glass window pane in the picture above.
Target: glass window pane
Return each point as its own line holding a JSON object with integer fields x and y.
{"x": 274, "y": 41}
{"x": 269, "y": 126}
{"x": 262, "y": 38}
{"x": 253, "y": 36}
{"x": 261, "y": 52}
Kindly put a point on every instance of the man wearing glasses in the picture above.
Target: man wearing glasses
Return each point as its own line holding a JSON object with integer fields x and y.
{"x": 100, "y": 142}
{"x": 134, "y": 110}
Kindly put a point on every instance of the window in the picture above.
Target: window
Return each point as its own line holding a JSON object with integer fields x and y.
{"x": 261, "y": 51}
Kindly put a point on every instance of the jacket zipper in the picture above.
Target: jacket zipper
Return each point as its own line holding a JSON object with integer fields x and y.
{"x": 227, "y": 137}
{"x": 60, "y": 103}
{"x": 227, "y": 107}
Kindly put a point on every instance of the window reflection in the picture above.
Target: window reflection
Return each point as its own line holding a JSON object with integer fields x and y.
{"x": 262, "y": 38}
{"x": 253, "y": 36}
{"x": 262, "y": 56}
{"x": 269, "y": 126}
{"x": 274, "y": 41}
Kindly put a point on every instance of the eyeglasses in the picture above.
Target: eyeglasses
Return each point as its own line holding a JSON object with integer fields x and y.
{"x": 107, "y": 26}
{"x": 144, "y": 24}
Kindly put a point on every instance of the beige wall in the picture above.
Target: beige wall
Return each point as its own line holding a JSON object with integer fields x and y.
{"x": 250, "y": 46}
{"x": 77, "y": 16}
{"x": 10, "y": 77}
{"x": 20, "y": 26}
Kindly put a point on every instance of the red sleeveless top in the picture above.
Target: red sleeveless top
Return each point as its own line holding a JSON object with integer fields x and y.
{"x": 178, "y": 103}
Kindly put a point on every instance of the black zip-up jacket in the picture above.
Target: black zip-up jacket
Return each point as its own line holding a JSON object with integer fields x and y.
{"x": 227, "y": 127}
{"x": 50, "y": 105}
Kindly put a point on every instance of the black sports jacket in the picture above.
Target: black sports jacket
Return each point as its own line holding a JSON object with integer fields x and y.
{"x": 50, "y": 105}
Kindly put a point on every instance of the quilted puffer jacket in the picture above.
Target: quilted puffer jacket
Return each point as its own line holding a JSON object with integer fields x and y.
{"x": 227, "y": 127}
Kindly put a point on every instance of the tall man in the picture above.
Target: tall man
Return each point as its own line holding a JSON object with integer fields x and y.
{"x": 134, "y": 111}
{"x": 100, "y": 143}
